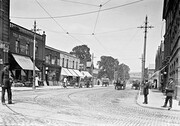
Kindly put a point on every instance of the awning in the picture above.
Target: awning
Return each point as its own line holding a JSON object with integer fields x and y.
{"x": 79, "y": 73}
{"x": 24, "y": 62}
{"x": 66, "y": 72}
{"x": 73, "y": 73}
{"x": 63, "y": 72}
{"x": 86, "y": 73}
{"x": 156, "y": 74}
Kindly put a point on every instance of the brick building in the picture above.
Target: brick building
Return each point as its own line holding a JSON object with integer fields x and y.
{"x": 21, "y": 52}
{"x": 171, "y": 14}
{"x": 4, "y": 31}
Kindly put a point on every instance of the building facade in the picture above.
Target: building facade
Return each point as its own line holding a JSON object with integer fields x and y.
{"x": 52, "y": 65}
{"x": 21, "y": 51}
{"x": 171, "y": 14}
{"x": 4, "y": 31}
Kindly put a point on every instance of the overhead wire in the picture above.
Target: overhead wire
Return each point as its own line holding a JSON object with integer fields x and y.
{"x": 57, "y": 22}
{"x": 70, "y": 34}
{"x": 118, "y": 30}
{"x": 106, "y": 2}
{"x": 100, "y": 44}
{"x": 50, "y": 15}
{"x": 79, "y": 3}
{"x": 97, "y": 19}
{"x": 79, "y": 14}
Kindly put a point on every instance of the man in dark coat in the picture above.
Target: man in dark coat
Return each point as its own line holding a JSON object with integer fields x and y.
{"x": 146, "y": 92}
{"x": 5, "y": 82}
{"x": 169, "y": 93}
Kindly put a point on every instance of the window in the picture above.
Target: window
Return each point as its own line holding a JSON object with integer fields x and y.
{"x": 17, "y": 47}
{"x": 63, "y": 63}
{"x": 47, "y": 58}
{"x": 58, "y": 62}
{"x": 36, "y": 50}
{"x": 55, "y": 60}
{"x": 73, "y": 64}
{"x": 27, "y": 49}
{"x": 67, "y": 63}
{"x": 76, "y": 65}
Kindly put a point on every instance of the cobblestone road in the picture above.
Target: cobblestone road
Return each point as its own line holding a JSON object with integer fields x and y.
{"x": 87, "y": 106}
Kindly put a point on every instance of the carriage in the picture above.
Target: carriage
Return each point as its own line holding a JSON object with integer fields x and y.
{"x": 120, "y": 85}
{"x": 105, "y": 82}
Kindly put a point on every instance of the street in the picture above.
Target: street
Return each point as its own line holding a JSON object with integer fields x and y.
{"x": 83, "y": 106}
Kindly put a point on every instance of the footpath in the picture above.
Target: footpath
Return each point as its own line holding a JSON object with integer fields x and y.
{"x": 156, "y": 99}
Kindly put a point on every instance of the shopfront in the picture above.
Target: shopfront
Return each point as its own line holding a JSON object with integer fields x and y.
{"x": 22, "y": 68}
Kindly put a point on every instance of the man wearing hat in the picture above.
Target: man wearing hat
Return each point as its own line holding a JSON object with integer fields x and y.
{"x": 5, "y": 82}
{"x": 169, "y": 93}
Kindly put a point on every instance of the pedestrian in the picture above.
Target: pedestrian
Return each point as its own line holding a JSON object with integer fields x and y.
{"x": 65, "y": 82}
{"x": 169, "y": 93}
{"x": 146, "y": 92}
{"x": 6, "y": 81}
{"x": 46, "y": 78}
{"x": 37, "y": 81}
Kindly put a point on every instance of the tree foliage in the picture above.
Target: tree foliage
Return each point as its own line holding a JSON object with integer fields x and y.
{"x": 82, "y": 52}
{"x": 109, "y": 66}
{"x": 123, "y": 72}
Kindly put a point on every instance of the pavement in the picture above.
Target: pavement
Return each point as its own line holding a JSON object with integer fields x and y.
{"x": 156, "y": 99}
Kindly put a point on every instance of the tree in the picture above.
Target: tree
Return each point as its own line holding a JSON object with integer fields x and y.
{"x": 82, "y": 52}
{"x": 123, "y": 72}
{"x": 107, "y": 67}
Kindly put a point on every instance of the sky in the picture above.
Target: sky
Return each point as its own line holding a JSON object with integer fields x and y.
{"x": 107, "y": 27}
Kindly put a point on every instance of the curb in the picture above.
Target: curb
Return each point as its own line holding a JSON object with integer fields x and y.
{"x": 151, "y": 107}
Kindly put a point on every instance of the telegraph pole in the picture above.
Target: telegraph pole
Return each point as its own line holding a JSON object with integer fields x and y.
{"x": 144, "y": 52}
{"x": 34, "y": 54}
{"x": 92, "y": 65}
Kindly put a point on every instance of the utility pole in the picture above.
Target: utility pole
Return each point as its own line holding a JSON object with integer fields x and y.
{"x": 144, "y": 52}
{"x": 92, "y": 65}
{"x": 34, "y": 55}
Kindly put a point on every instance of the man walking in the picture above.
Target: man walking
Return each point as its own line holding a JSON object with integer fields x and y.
{"x": 146, "y": 92}
{"x": 5, "y": 82}
{"x": 169, "y": 93}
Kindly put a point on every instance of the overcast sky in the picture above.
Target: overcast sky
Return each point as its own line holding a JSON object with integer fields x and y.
{"x": 108, "y": 30}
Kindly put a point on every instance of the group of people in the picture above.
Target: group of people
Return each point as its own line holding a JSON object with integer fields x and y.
{"x": 6, "y": 78}
{"x": 170, "y": 88}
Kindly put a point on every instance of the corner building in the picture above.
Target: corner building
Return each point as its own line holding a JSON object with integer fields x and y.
{"x": 4, "y": 31}
{"x": 21, "y": 53}
{"x": 171, "y": 13}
